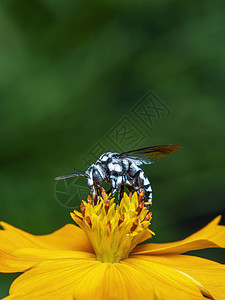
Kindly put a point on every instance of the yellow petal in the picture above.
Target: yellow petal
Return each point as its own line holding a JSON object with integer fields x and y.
{"x": 117, "y": 281}
{"x": 10, "y": 263}
{"x": 172, "y": 284}
{"x": 69, "y": 237}
{"x": 83, "y": 279}
{"x": 211, "y": 236}
{"x": 23, "y": 259}
{"x": 133, "y": 279}
{"x": 52, "y": 280}
{"x": 209, "y": 273}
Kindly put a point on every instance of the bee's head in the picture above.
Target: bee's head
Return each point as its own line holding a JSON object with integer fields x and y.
{"x": 96, "y": 175}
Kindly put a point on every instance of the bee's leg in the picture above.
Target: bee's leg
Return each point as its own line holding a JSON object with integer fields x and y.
{"x": 137, "y": 180}
{"x": 98, "y": 193}
{"x": 115, "y": 186}
{"x": 109, "y": 191}
{"x": 98, "y": 189}
{"x": 114, "y": 190}
{"x": 95, "y": 193}
{"x": 130, "y": 189}
{"x": 121, "y": 192}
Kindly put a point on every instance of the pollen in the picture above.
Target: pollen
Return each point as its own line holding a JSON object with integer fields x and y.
{"x": 114, "y": 229}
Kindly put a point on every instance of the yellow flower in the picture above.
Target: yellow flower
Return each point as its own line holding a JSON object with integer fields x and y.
{"x": 100, "y": 259}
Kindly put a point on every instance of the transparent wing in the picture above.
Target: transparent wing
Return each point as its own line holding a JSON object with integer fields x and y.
{"x": 149, "y": 155}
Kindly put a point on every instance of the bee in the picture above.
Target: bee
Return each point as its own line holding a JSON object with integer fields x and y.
{"x": 123, "y": 169}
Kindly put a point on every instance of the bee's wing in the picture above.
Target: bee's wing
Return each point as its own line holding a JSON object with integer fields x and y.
{"x": 149, "y": 155}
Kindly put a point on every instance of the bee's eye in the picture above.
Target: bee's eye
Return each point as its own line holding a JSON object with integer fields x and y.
{"x": 97, "y": 176}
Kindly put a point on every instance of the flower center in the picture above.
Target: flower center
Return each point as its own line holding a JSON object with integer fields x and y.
{"x": 114, "y": 230}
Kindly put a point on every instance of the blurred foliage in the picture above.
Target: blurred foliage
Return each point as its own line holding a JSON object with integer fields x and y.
{"x": 70, "y": 70}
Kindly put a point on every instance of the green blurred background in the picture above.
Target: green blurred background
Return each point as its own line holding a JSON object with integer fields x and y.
{"x": 72, "y": 77}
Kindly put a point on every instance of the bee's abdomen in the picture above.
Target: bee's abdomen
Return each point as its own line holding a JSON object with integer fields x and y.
{"x": 148, "y": 193}
{"x": 144, "y": 183}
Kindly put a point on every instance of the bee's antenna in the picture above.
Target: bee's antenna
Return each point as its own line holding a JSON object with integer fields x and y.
{"x": 83, "y": 172}
{"x": 80, "y": 171}
{"x": 69, "y": 176}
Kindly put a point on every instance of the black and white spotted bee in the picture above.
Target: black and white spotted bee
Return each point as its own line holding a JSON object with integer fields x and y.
{"x": 123, "y": 169}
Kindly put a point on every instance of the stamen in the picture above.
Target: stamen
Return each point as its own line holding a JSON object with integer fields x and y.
{"x": 139, "y": 209}
{"x": 114, "y": 229}
{"x": 77, "y": 215}
{"x": 130, "y": 195}
{"x": 82, "y": 209}
{"x": 109, "y": 224}
{"x": 135, "y": 224}
{"x": 141, "y": 195}
{"x": 121, "y": 219}
{"x": 103, "y": 192}
{"x": 148, "y": 216}
{"x": 88, "y": 219}
{"x": 89, "y": 199}
{"x": 107, "y": 205}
